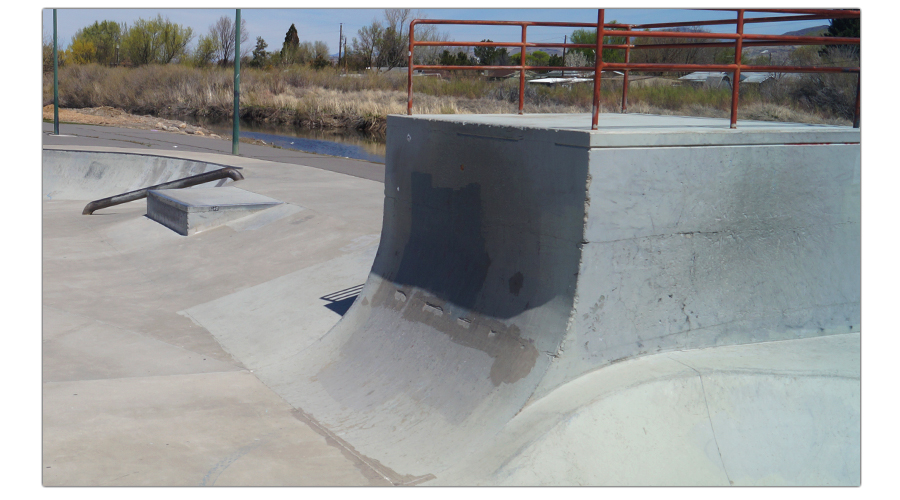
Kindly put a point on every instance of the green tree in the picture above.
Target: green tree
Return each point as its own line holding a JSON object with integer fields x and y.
{"x": 156, "y": 40}
{"x": 503, "y": 57}
{"x": 104, "y": 36}
{"x": 586, "y": 36}
{"x": 486, "y": 55}
{"x": 538, "y": 58}
{"x": 174, "y": 40}
{"x": 47, "y": 53}
{"x": 259, "y": 52}
{"x": 842, "y": 28}
{"x": 205, "y": 52}
{"x": 141, "y": 42}
{"x": 81, "y": 52}
{"x": 447, "y": 59}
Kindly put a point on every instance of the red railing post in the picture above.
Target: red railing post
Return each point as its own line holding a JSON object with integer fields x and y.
{"x": 409, "y": 79}
{"x": 522, "y": 73}
{"x": 625, "y": 78}
{"x": 736, "y": 79}
{"x": 598, "y": 69}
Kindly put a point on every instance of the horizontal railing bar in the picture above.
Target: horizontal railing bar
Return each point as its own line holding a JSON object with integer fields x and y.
{"x": 654, "y": 67}
{"x": 752, "y": 42}
{"x": 734, "y": 21}
{"x": 507, "y": 23}
{"x": 832, "y": 12}
{"x": 513, "y": 44}
{"x": 647, "y": 46}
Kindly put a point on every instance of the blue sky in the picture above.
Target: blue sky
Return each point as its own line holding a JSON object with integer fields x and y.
{"x": 323, "y": 24}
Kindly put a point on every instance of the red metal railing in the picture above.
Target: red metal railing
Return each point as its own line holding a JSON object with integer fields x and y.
{"x": 739, "y": 40}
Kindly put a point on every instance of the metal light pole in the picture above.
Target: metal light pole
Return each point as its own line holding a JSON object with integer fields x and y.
{"x": 236, "y": 128}
{"x": 55, "y": 81}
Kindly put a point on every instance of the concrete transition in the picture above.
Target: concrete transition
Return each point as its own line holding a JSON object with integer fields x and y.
{"x": 520, "y": 254}
{"x": 87, "y": 175}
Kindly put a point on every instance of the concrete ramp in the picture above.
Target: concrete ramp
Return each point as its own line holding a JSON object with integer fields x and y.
{"x": 519, "y": 253}
{"x": 88, "y": 175}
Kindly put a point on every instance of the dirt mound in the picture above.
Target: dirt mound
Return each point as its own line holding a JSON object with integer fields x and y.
{"x": 106, "y": 115}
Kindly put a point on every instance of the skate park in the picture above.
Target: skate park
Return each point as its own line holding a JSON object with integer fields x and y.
{"x": 510, "y": 300}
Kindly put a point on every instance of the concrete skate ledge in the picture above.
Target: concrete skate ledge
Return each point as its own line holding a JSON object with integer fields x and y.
{"x": 188, "y": 211}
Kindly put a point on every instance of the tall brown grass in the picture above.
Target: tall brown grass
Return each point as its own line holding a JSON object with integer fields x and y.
{"x": 325, "y": 99}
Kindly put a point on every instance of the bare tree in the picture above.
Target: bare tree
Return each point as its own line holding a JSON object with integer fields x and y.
{"x": 223, "y": 32}
{"x": 320, "y": 49}
{"x": 394, "y": 43}
{"x": 386, "y": 44}
{"x": 365, "y": 46}
{"x": 429, "y": 33}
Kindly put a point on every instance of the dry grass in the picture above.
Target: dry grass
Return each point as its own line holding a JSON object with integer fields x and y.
{"x": 325, "y": 99}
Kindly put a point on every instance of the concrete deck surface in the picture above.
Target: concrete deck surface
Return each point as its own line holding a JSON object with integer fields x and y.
{"x": 135, "y": 393}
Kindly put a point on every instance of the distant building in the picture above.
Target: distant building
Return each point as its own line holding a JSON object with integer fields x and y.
{"x": 719, "y": 79}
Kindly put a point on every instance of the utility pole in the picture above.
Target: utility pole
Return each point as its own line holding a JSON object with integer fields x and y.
{"x": 340, "y": 39}
{"x": 236, "y": 128}
{"x": 55, "y": 81}
{"x": 565, "y": 40}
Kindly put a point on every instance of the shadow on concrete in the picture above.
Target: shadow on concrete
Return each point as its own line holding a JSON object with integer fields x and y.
{"x": 482, "y": 252}
{"x": 341, "y": 300}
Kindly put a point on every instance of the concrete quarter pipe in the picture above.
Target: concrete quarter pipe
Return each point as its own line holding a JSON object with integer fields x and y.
{"x": 523, "y": 258}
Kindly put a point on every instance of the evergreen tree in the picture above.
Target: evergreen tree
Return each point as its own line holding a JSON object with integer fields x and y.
{"x": 843, "y": 28}
{"x": 291, "y": 45}
{"x": 259, "y": 53}
{"x": 486, "y": 55}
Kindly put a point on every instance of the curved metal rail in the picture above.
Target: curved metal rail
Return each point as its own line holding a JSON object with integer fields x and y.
{"x": 222, "y": 173}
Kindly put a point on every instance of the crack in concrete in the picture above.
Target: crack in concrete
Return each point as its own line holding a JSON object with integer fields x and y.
{"x": 709, "y": 417}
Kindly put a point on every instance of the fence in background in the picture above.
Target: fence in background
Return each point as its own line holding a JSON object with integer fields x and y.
{"x": 739, "y": 40}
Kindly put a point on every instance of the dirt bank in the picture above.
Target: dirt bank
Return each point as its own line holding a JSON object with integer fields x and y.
{"x": 113, "y": 117}
{"x": 106, "y": 115}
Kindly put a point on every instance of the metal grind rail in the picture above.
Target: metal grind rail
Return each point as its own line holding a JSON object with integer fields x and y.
{"x": 739, "y": 40}
{"x": 222, "y": 173}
